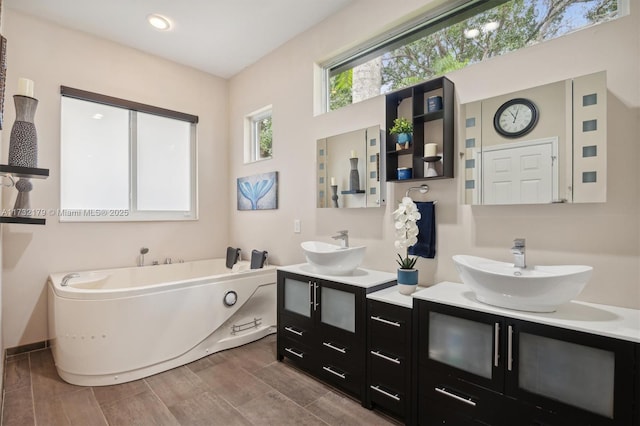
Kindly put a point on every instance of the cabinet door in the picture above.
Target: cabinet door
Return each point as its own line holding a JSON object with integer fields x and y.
{"x": 463, "y": 343}
{"x": 585, "y": 377}
{"x": 338, "y": 306}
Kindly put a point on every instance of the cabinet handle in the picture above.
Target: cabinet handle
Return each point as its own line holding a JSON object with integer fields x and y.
{"x": 385, "y": 393}
{"x": 335, "y": 348}
{"x": 294, "y": 331}
{"x": 311, "y": 295}
{"x": 388, "y": 358}
{"x": 496, "y": 337}
{"x": 335, "y": 373}
{"x": 382, "y": 320}
{"x": 291, "y": 351}
{"x": 315, "y": 296}
{"x": 444, "y": 391}
{"x": 509, "y": 348}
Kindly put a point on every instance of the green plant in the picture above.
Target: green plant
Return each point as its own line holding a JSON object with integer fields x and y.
{"x": 401, "y": 125}
{"x": 405, "y": 217}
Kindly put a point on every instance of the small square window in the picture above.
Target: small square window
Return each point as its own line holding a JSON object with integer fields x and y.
{"x": 258, "y": 135}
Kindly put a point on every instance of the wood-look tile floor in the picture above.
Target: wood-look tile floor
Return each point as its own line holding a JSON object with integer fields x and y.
{"x": 241, "y": 386}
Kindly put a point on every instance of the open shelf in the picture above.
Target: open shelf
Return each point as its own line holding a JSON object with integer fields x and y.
{"x": 28, "y": 173}
{"x": 428, "y": 127}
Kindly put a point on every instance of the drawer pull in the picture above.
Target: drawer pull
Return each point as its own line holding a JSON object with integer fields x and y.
{"x": 454, "y": 396}
{"x": 384, "y": 321}
{"x": 385, "y": 393}
{"x": 291, "y": 351}
{"x": 496, "y": 348}
{"x": 387, "y": 358}
{"x": 335, "y": 348}
{"x": 335, "y": 373}
{"x": 294, "y": 331}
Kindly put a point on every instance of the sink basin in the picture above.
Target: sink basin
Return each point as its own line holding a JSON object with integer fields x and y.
{"x": 534, "y": 289}
{"x": 331, "y": 259}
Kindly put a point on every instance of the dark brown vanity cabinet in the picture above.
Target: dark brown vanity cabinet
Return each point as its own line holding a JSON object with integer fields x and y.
{"x": 480, "y": 368}
{"x": 389, "y": 358}
{"x": 322, "y": 328}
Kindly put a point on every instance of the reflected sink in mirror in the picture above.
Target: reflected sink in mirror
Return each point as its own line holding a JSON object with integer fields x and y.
{"x": 534, "y": 288}
{"x": 331, "y": 259}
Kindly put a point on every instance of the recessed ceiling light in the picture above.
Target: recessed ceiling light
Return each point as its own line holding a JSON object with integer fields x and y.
{"x": 159, "y": 22}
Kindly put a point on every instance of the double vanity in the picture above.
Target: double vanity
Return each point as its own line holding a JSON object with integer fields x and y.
{"x": 440, "y": 356}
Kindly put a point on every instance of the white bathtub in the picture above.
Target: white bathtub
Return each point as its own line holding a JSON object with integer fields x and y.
{"x": 117, "y": 325}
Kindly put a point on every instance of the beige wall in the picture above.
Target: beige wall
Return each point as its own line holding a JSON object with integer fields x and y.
{"x": 54, "y": 56}
{"x": 603, "y": 235}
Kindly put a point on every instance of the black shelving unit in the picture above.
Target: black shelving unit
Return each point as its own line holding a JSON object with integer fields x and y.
{"x": 422, "y": 119}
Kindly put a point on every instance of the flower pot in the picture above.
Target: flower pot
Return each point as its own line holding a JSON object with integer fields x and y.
{"x": 407, "y": 280}
{"x": 403, "y": 138}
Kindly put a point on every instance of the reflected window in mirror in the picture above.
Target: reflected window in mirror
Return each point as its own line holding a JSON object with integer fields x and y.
{"x": 259, "y": 135}
{"x": 125, "y": 161}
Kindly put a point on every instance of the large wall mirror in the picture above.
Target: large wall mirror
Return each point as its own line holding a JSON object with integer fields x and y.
{"x": 545, "y": 144}
{"x": 348, "y": 170}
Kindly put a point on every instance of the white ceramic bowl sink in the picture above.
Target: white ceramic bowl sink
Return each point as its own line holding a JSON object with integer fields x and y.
{"x": 535, "y": 288}
{"x": 331, "y": 259}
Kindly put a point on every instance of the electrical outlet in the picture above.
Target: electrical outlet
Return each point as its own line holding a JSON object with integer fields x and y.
{"x": 296, "y": 226}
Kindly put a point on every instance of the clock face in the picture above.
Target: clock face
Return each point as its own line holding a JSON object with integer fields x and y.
{"x": 515, "y": 118}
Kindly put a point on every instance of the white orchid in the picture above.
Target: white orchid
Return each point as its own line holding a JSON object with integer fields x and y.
{"x": 405, "y": 217}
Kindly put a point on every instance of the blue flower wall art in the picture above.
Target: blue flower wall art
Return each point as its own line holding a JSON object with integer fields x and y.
{"x": 258, "y": 192}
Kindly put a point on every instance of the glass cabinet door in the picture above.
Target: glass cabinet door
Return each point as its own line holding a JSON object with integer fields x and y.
{"x": 297, "y": 297}
{"x": 338, "y": 308}
{"x": 461, "y": 343}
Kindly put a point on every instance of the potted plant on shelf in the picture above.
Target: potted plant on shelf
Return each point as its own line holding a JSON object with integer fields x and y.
{"x": 403, "y": 129}
{"x": 405, "y": 217}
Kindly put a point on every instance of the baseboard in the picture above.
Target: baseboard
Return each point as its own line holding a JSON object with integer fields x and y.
{"x": 30, "y": 347}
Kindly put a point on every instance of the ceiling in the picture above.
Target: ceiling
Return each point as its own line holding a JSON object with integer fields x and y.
{"x": 220, "y": 37}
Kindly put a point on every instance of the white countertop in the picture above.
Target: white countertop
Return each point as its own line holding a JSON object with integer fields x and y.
{"x": 361, "y": 277}
{"x": 393, "y": 296}
{"x": 603, "y": 320}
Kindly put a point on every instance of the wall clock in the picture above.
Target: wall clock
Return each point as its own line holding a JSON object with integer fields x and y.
{"x": 515, "y": 118}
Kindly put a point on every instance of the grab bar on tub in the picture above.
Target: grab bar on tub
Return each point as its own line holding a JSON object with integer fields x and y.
{"x": 66, "y": 278}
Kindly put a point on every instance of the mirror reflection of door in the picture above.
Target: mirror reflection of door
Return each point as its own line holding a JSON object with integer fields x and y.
{"x": 520, "y": 172}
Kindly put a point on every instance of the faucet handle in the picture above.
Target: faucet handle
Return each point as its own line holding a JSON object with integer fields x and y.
{"x": 519, "y": 243}
{"x": 344, "y": 232}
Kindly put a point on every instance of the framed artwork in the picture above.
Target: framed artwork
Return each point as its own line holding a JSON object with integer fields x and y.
{"x": 258, "y": 192}
{"x": 3, "y": 75}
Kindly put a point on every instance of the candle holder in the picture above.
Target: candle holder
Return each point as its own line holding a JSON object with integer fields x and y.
{"x": 23, "y": 149}
{"x": 431, "y": 165}
{"x": 354, "y": 176}
{"x": 334, "y": 196}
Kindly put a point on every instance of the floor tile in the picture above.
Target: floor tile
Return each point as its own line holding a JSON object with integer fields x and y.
{"x": 17, "y": 372}
{"x": 207, "y": 409}
{"x": 273, "y": 408}
{"x": 234, "y": 384}
{"x": 336, "y": 409}
{"x": 292, "y": 383}
{"x": 142, "y": 409}
{"x": 109, "y": 394}
{"x": 18, "y": 407}
{"x": 176, "y": 385}
{"x": 82, "y": 409}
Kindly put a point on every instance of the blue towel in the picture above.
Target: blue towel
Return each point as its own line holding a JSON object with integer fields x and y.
{"x": 426, "y": 245}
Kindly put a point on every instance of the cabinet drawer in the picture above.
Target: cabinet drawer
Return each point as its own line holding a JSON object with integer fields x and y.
{"x": 341, "y": 377}
{"x": 387, "y": 369}
{"x": 390, "y": 398}
{"x": 389, "y": 325}
{"x": 431, "y": 413}
{"x": 298, "y": 353}
{"x": 291, "y": 328}
{"x": 459, "y": 396}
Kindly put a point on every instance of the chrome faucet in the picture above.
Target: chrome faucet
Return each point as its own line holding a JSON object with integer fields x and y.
{"x": 518, "y": 251}
{"x": 343, "y": 236}
{"x": 168, "y": 261}
{"x": 66, "y": 278}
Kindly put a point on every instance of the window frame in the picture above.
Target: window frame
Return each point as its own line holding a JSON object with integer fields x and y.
{"x": 252, "y": 134}
{"x": 132, "y": 214}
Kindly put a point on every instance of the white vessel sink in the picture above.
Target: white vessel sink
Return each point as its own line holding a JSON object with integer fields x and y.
{"x": 535, "y": 288}
{"x": 331, "y": 259}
